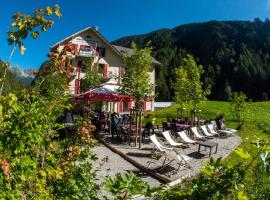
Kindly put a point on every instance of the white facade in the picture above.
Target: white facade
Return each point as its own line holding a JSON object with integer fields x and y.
{"x": 86, "y": 43}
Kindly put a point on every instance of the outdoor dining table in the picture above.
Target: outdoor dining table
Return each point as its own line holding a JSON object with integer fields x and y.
{"x": 133, "y": 128}
{"x": 184, "y": 126}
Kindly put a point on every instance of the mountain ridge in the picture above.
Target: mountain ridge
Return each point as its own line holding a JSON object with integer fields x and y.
{"x": 235, "y": 55}
{"x": 26, "y": 76}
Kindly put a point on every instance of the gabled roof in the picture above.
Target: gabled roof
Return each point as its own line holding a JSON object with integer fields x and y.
{"x": 84, "y": 30}
{"x": 119, "y": 50}
{"x": 130, "y": 52}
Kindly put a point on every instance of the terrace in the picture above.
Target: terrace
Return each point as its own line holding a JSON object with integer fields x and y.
{"x": 118, "y": 155}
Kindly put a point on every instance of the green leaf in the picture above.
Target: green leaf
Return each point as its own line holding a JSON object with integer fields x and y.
{"x": 49, "y": 10}
{"x": 57, "y": 11}
{"x": 44, "y": 28}
{"x": 242, "y": 154}
{"x": 241, "y": 196}
{"x": 35, "y": 34}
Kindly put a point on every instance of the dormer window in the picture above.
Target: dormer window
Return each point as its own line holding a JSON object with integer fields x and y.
{"x": 101, "y": 51}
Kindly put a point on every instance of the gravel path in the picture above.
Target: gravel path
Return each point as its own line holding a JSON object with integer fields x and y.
{"x": 225, "y": 147}
{"x": 110, "y": 164}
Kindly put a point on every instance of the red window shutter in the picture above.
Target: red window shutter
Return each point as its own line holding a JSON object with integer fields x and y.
{"x": 105, "y": 71}
{"x": 144, "y": 105}
{"x": 76, "y": 86}
{"x": 129, "y": 105}
{"x": 97, "y": 51}
{"x": 121, "y": 106}
{"x": 122, "y": 70}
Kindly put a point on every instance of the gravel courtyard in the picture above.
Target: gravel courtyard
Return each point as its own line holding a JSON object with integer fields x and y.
{"x": 110, "y": 163}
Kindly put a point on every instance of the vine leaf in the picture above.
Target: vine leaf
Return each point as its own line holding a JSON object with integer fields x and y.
{"x": 242, "y": 153}
{"x": 241, "y": 196}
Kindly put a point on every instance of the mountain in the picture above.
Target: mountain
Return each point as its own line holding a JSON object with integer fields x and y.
{"x": 235, "y": 56}
{"x": 12, "y": 83}
{"x": 26, "y": 76}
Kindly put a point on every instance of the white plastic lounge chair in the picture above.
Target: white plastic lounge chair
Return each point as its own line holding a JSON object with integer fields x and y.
{"x": 225, "y": 131}
{"x": 159, "y": 146}
{"x": 184, "y": 160}
{"x": 185, "y": 138}
{"x": 205, "y": 131}
{"x": 181, "y": 158}
{"x": 197, "y": 134}
{"x": 212, "y": 130}
{"x": 231, "y": 130}
{"x": 169, "y": 139}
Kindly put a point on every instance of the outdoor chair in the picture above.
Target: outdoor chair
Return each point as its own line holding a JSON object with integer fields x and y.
{"x": 185, "y": 138}
{"x": 212, "y": 130}
{"x": 205, "y": 131}
{"x": 170, "y": 139}
{"x": 222, "y": 131}
{"x": 197, "y": 135}
{"x": 181, "y": 159}
{"x": 166, "y": 126}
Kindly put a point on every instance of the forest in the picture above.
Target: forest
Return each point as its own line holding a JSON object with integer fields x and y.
{"x": 235, "y": 56}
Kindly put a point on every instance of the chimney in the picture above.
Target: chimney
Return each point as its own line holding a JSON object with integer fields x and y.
{"x": 96, "y": 28}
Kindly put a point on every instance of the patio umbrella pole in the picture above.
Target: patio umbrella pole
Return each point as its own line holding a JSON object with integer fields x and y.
{"x": 136, "y": 121}
{"x": 109, "y": 104}
{"x": 130, "y": 125}
{"x": 140, "y": 129}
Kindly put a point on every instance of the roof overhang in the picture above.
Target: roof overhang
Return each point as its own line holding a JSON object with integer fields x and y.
{"x": 84, "y": 30}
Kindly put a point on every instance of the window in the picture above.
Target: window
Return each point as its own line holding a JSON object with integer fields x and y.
{"x": 101, "y": 51}
{"x": 125, "y": 106}
{"x": 101, "y": 69}
{"x": 79, "y": 63}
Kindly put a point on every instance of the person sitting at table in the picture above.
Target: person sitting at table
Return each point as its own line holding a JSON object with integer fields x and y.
{"x": 69, "y": 123}
{"x": 102, "y": 120}
{"x": 114, "y": 124}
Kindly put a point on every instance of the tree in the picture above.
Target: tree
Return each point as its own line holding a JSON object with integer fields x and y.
{"x": 34, "y": 162}
{"x": 239, "y": 108}
{"x": 181, "y": 87}
{"x": 188, "y": 86}
{"x": 92, "y": 77}
{"x": 136, "y": 81}
{"x": 22, "y": 26}
{"x": 227, "y": 91}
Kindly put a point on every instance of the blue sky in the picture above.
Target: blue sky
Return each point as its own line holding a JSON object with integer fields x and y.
{"x": 118, "y": 18}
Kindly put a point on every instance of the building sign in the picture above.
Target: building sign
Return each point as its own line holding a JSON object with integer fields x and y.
{"x": 79, "y": 40}
{"x": 86, "y": 45}
{"x": 88, "y": 51}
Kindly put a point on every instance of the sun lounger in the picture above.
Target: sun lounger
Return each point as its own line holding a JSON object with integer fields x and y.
{"x": 185, "y": 138}
{"x": 225, "y": 130}
{"x": 222, "y": 131}
{"x": 159, "y": 146}
{"x": 205, "y": 131}
{"x": 169, "y": 139}
{"x": 196, "y": 133}
{"x": 180, "y": 158}
{"x": 212, "y": 130}
{"x": 231, "y": 130}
